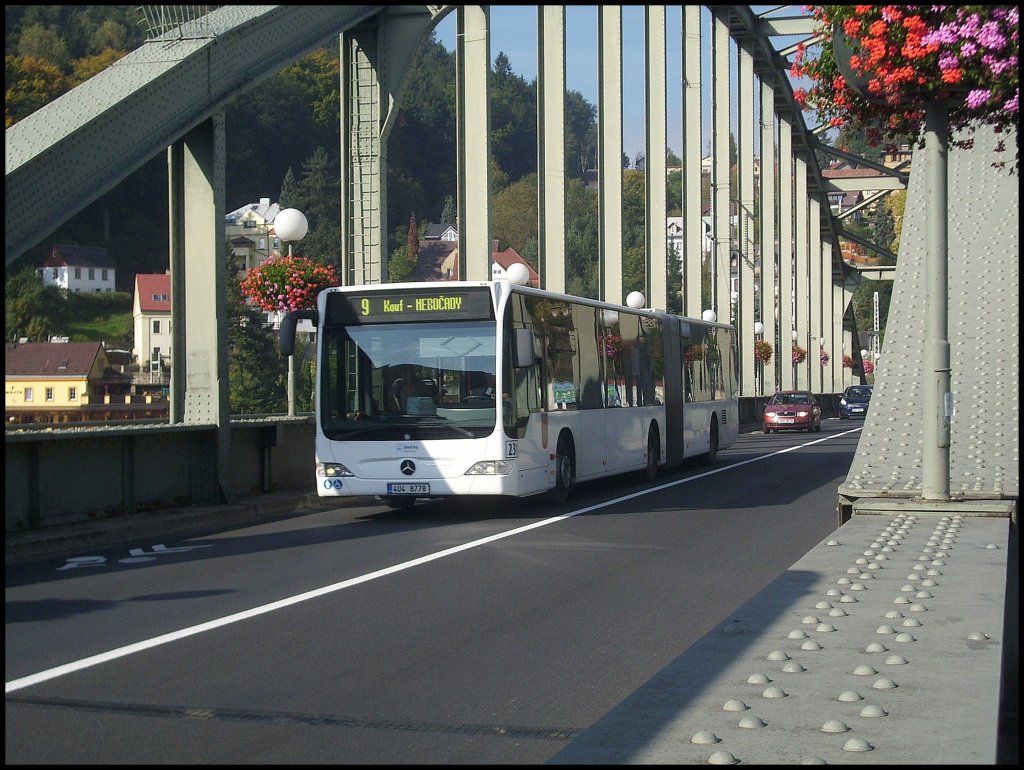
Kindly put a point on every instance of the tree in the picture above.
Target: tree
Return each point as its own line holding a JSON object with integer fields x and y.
{"x": 319, "y": 198}
{"x": 44, "y": 43}
{"x": 514, "y": 214}
{"x": 450, "y": 213}
{"x": 30, "y": 83}
{"x": 31, "y": 309}
{"x": 289, "y": 191}
{"x": 256, "y": 371}
{"x": 412, "y": 243}
{"x": 581, "y": 241}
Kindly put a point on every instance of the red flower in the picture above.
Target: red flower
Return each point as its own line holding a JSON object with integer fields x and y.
{"x": 287, "y": 283}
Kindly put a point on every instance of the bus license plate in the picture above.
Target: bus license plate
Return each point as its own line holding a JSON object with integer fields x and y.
{"x": 408, "y": 489}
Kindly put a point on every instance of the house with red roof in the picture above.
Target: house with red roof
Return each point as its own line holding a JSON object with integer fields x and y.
{"x": 151, "y": 315}
{"x": 501, "y": 261}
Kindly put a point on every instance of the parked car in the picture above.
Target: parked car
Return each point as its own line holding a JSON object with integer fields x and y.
{"x": 792, "y": 410}
{"x": 854, "y": 402}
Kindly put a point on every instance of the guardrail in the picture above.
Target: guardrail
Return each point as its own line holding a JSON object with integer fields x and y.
{"x": 62, "y": 475}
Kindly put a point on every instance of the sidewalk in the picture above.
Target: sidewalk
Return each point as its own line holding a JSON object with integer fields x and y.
{"x": 71, "y": 539}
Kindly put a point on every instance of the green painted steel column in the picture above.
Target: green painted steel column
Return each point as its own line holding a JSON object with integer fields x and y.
{"x": 176, "y": 250}
{"x": 693, "y": 221}
{"x": 206, "y": 357}
{"x": 767, "y": 209}
{"x": 551, "y": 155}
{"x": 657, "y": 287}
{"x": 787, "y": 319}
{"x": 815, "y": 295}
{"x": 801, "y": 306}
{"x": 473, "y": 71}
{"x": 937, "y": 398}
{"x": 609, "y": 79}
{"x": 721, "y": 198}
{"x": 746, "y": 312}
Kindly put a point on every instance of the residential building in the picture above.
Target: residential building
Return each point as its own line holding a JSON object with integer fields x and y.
{"x": 501, "y": 261}
{"x": 438, "y": 257}
{"x": 151, "y": 316}
{"x": 57, "y": 382}
{"x": 250, "y": 232}
{"x": 674, "y": 231}
{"x": 441, "y": 232}
{"x": 78, "y": 268}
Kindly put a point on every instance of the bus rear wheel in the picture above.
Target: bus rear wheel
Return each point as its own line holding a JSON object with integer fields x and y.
{"x": 712, "y": 453}
{"x": 650, "y": 471}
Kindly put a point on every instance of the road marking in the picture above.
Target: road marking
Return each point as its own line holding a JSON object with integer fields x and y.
{"x": 157, "y": 641}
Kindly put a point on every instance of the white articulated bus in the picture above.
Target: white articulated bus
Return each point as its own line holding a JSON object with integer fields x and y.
{"x": 453, "y": 388}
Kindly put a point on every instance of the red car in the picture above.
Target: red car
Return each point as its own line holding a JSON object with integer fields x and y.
{"x": 792, "y": 410}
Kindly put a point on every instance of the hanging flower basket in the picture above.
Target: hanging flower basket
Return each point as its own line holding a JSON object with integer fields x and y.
{"x": 799, "y": 354}
{"x": 847, "y": 361}
{"x": 868, "y": 367}
{"x": 694, "y": 353}
{"x": 763, "y": 351}
{"x": 823, "y": 358}
{"x": 287, "y": 283}
{"x": 611, "y": 344}
{"x": 877, "y": 66}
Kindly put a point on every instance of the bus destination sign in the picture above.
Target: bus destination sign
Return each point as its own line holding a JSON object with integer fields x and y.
{"x": 408, "y": 305}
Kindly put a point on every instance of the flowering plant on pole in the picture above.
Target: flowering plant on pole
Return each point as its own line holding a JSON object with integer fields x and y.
{"x": 281, "y": 284}
{"x": 878, "y": 65}
{"x": 823, "y": 358}
{"x": 763, "y": 351}
{"x": 847, "y": 361}
{"x": 799, "y": 354}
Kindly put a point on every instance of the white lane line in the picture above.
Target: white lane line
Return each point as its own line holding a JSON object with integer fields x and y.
{"x": 156, "y": 641}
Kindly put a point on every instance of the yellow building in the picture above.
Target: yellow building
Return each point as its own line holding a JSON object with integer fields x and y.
{"x": 66, "y": 382}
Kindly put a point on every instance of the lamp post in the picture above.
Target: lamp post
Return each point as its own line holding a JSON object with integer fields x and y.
{"x": 291, "y": 226}
{"x": 796, "y": 371}
{"x": 759, "y": 374}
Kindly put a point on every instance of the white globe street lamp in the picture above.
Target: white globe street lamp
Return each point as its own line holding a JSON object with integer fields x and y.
{"x": 291, "y": 226}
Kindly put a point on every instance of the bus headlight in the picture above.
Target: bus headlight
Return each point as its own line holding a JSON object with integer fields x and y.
{"x": 330, "y": 470}
{"x": 490, "y": 468}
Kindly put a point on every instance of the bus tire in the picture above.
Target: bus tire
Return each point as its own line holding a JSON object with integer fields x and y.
{"x": 712, "y": 453}
{"x": 565, "y": 471}
{"x": 650, "y": 471}
{"x": 400, "y": 503}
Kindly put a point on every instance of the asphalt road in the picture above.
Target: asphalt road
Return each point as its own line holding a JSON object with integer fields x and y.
{"x": 469, "y": 633}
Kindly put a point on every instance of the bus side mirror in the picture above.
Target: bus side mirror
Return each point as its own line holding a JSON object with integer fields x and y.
{"x": 522, "y": 349}
{"x": 288, "y": 324}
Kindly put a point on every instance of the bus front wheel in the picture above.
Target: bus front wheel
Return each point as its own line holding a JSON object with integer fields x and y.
{"x": 565, "y": 471}
{"x": 400, "y": 503}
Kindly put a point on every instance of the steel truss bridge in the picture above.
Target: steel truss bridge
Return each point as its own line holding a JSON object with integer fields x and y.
{"x": 169, "y": 96}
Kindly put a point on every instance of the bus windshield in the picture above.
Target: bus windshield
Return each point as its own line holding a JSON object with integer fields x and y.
{"x": 408, "y": 381}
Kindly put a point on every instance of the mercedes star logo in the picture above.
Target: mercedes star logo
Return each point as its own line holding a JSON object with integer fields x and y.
{"x": 408, "y": 467}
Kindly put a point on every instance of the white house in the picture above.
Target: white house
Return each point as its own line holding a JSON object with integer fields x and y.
{"x": 78, "y": 268}
{"x": 151, "y": 313}
{"x": 250, "y": 231}
{"x": 674, "y": 231}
